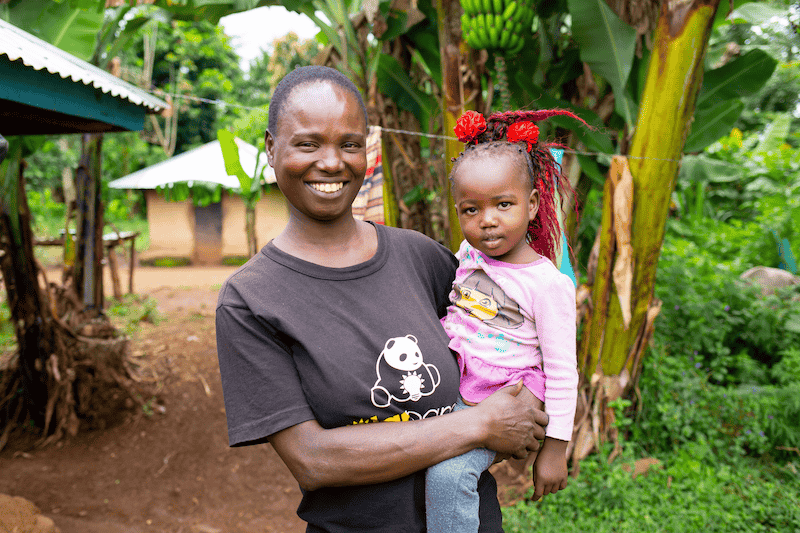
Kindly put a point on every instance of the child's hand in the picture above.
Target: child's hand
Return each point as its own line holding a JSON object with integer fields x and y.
{"x": 550, "y": 468}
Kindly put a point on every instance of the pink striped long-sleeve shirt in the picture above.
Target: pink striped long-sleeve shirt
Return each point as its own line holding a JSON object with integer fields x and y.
{"x": 515, "y": 317}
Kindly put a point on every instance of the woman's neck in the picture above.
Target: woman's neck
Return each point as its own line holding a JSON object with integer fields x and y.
{"x": 337, "y": 244}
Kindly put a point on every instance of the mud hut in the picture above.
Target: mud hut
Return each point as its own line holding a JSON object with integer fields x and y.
{"x": 205, "y": 235}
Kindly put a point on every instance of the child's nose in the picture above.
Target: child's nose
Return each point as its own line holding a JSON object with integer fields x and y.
{"x": 489, "y": 218}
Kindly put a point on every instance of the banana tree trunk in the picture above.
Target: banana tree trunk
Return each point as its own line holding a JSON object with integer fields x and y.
{"x": 32, "y": 326}
{"x": 89, "y": 257}
{"x": 250, "y": 226}
{"x": 619, "y": 325}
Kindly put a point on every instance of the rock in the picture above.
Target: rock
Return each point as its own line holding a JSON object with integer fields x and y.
{"x": 770, "y": 279}
{"x": 18, "y": 515}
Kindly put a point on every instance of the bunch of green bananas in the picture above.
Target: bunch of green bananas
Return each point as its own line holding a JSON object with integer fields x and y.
{"x": 496, "y": 24}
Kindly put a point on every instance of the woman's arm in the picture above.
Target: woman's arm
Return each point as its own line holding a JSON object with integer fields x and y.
{"x": 372, "y": 453}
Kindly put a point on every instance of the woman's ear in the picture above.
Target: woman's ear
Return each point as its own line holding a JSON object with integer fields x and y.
{"x": 533, "y": 204}
{"x": 269, "y": 144}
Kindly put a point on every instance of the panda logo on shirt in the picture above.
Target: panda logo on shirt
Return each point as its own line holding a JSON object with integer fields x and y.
{"x": 402, "y": 374}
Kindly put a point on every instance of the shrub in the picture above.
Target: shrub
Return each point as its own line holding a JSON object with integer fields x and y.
{"x": 728, "y": 329}
{"x": 692, "y": 491}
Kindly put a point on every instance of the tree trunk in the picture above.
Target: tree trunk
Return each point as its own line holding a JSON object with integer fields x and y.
{"x": 31, "y": 325}
{"x": 250, "y": 226}
{"x": 621, "y": 311}
{"x": 89, "y": 249}
{"x": 454, "y": 53}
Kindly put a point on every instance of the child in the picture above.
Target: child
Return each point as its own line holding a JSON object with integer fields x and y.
{"x": 512, "y": 313}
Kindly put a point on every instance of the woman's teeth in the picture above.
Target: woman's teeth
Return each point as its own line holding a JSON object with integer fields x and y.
{"x": 327, "y": 187}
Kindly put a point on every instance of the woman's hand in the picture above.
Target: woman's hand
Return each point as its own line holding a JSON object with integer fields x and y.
{"x": 550, "y": 468}
{"x": 513, "y": 424}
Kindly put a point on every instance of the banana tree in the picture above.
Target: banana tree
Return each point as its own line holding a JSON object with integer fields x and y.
{"x": 622, "y": 309}
{"x": 249, "y": 186}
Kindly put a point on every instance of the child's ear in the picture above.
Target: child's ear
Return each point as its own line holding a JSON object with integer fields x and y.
{"x": 533, "y": 204}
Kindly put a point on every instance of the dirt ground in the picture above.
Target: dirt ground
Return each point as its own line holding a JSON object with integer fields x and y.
{"x": 168, "y": 469}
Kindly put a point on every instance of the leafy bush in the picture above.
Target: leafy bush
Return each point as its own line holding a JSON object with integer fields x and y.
{"x": 722, "y": 322}
{"x": 680, "y": 407}
{"x": 692, "y": 491}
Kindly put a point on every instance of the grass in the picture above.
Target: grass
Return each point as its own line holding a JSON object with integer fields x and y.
{"x": 129, "y": 312}
{"x": 167, "y": 262}
{"x": 692, "y": 491}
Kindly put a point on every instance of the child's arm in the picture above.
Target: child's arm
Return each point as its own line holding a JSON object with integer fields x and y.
{"x": 550, "y": 468}
{"x": 554, "y": 311}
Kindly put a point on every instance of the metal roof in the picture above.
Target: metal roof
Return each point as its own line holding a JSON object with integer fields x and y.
{"x": 203, "y": 164}
{"x": 38, "y": 55}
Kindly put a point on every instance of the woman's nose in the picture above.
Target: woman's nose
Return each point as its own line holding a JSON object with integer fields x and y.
{"x": 330, "y": 160}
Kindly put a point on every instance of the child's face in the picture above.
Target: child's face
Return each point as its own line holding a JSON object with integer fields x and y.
{"x": 495, "y": 203}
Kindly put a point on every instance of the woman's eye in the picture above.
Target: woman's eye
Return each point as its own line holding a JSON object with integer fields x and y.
{"x": 351, "y": 146}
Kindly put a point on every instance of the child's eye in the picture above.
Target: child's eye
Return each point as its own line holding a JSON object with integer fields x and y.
{"x": 504, "y": 205}
{"x": 469, "y": 211}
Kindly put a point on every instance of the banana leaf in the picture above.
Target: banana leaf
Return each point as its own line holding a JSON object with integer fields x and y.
{"x": 607, "y": 44}
{"x": 66, "y": 25}
{"x": 712, "y": 123}
{"x": 394, "y": 82}
{"x": 775, "y": 134}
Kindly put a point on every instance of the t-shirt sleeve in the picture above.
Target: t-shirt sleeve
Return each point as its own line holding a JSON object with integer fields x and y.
{"x": 554, "y": 311}
{"x": 261, "y": 386}
{"x": 444, "y": 274}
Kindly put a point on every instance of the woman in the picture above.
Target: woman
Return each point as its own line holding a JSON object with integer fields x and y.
{"x": 333, "y": 329}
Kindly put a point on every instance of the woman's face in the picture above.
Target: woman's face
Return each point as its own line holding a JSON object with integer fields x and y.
{"x": 319, "y": 150}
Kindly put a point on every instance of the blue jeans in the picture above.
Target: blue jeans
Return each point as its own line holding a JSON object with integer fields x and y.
{"x": 451, "y": 490}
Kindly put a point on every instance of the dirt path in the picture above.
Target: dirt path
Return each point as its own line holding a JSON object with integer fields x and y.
{"x": 162, "y": 472}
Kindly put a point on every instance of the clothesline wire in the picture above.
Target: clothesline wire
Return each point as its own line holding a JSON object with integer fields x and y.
{"x": 404, "y": 132}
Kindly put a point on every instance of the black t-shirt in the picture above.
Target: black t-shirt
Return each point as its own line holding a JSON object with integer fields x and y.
{"x": 297, "y": 341}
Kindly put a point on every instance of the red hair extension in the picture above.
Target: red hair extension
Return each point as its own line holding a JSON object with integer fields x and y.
{"x": 510, "y": 117}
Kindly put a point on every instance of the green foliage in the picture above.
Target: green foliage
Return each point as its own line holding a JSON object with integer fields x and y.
{"x": 719, "y": 103}
{"x": 607, "y": 45}
{"x": 772, "y": 27}
{"x": 737, "y": 180}
{"x": 691, "y": 491}
{"x": 47, "y": 215}
{"x": 129, "y": 312}
{"x": 194, "y": 59}
{"x": 7, "y": 335}
{"x": 682, "y": 406}
{"x": 722, "y": 321}
{"x": 71, "y": 25}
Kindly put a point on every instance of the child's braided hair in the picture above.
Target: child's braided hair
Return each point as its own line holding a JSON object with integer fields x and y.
{"x": 515, "y": 133}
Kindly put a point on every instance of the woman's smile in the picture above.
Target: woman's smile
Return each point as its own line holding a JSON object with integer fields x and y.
{"x": 327, "y": 188}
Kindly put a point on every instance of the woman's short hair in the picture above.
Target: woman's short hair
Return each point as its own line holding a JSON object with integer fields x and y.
{"x": 303, "y": 76}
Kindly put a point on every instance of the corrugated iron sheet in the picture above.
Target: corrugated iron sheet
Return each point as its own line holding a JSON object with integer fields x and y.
{"x": 204, "y": 163}
{"x": 38, "y": 54}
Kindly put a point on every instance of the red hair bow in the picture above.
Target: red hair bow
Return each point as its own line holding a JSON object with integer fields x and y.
{"x": 523, "y": 131}
{"x": 469, "y": 126}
